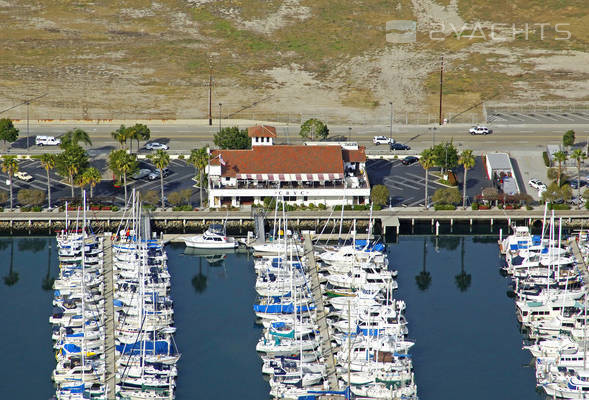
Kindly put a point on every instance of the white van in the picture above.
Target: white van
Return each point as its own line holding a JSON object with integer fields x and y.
{"x": 47, "y": 141}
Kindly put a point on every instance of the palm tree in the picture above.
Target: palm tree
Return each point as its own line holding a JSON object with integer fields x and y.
{"x": 424, "y": 278}
{"x": 121, "y": 135}
{"x": 427, "y": 161}
{"x": 74, "y": 137}
{"x": 467, "y": 161}
{"x": 463, "y": 279}
{"x": 199, "y": 282}
{"x": 139, "y": 132}
{"x": 10, "y": 167}
{"x": 71, "y": 163}
{"x": 91, "y": 176}
{"x": 122, "y": 164}
{"x": 48, "y": 162}
{"x": 161, "y": 160}
{"x": 199, "y": 158}
{"x": 12, "y": 277}
{"x": 47, "y": 283}
{"x": 560, "y": 157}
{"x": 578, "y": 155}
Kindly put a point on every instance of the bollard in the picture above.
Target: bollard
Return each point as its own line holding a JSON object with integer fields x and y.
{"x": 437, "y": 228}
{"x": 500, "y": 234}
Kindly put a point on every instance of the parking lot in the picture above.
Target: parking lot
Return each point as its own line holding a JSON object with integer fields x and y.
{"x": 179, "y": 178}
{"x": 406, "y": 183}
{"x": 538, "y": 116}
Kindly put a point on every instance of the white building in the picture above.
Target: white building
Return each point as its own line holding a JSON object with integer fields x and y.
{"x": 319, "y": 174}
{"x": 500, "y": 170}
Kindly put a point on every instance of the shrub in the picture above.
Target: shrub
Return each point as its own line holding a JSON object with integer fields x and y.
{"x": 311, "y": 206}
{"x": 36, "y": 208}
{"x": 25, "y": 209}
{"x": 322, "y": 206}
{"x": 175, "y": 199}
{"x": 475, "y": 206}
{"x": 181, "y": 157}
{"x": 377, "y": 207}
{"x": 447, "y": 196}
{"x": 3, "y": 197}
{"x": 359, "y": 207}
{"x": 379, "y": 194}
{"x": 150, "y": 197}
{"x": 587, "y": 205}
{"x": 115, "y": 208}
{"x": 31, "y": 197}
{"x": 438, "y": 207}
{"x": 529, "y": 207}
{"x": 546, "y": 159}
{"x": 500, "y": 206}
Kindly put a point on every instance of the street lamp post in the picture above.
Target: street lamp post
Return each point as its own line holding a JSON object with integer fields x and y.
{"x": 349, "y": 134}
{"x": 220, "y": 114}
{"x": 391, "y": 126}
{"x": 28, "y": 102}
{"x": 433, "y": 131}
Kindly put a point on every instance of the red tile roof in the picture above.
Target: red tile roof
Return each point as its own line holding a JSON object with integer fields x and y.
{"x": 281, "y": 160}
{"x": 354, "y": 155}
{"x": 261, "y": 131}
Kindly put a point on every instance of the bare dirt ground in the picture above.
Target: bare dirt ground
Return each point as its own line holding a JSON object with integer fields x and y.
{"x": 288, "y": 59}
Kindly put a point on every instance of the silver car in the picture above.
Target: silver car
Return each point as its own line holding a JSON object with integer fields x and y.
{"x": 156, "y": 146}
{"x": 142, "y": 173}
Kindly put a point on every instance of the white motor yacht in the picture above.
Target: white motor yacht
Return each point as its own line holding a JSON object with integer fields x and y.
{"x": 213, "y": 238}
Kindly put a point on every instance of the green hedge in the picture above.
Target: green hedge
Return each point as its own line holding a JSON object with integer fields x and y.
{"x": 474, "y": 206}
{"x": 185, "y": 207}
{"x": 552, "y": 206}
{"x": 439, "y": 207}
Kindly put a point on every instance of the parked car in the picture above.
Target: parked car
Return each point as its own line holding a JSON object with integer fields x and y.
{"x": 156, "y": 146}
{"x": 409, "y": 160}
{"x": 537, "y": 184}
{"x": 47, "y": 141}
{"x": 399, "y": 146}
{"x": 142, "y": 173}
{"x": 155, "y": 174}
{"x": 479, "y": 130}
{"x": 382, "y": 140}
{"x": 573, "y": 183}
{"x": 23, "y": 176}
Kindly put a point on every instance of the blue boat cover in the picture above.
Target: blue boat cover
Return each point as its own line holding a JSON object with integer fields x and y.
{"x": 117, "y": 303}
{"x": 159, "y": 347}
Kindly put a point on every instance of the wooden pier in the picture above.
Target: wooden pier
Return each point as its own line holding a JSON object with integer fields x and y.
{"x": 326, "y": 348}
{"x": 109, "y": 345}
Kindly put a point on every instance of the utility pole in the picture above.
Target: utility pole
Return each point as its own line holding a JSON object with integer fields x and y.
{"x": 220, "y": 113}
{"x": 210, "y": 95}
{"x": 391, "y": 127}
{"x": 27, "y": 103}
{"x": 441, "y": 85}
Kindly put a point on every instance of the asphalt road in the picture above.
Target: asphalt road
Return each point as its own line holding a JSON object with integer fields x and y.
{"x": 183, "y": 136}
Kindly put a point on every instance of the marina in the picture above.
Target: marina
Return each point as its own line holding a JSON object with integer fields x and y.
{"x": 549, "y": 277}
{"x": 213, "y": 314}
{"x": 112, "y": 322}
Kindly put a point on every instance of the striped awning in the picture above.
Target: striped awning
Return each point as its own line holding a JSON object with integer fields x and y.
{"x": 290, "y": 177}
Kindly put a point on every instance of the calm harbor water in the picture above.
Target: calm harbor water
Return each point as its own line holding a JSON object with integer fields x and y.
{"x": 468, "y": 343}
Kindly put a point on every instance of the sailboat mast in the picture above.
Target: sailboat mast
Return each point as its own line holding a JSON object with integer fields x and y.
{"x": 83, "y": 287}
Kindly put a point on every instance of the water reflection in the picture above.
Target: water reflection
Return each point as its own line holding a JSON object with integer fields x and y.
{"x": 424, "y": 278}
{"x": 463, "y": 280}
{"x": 34, "y": 245}
{"x": 12, "y": 278}
{"x": 47, "y": 283}
{"x": 199, "y": 282}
